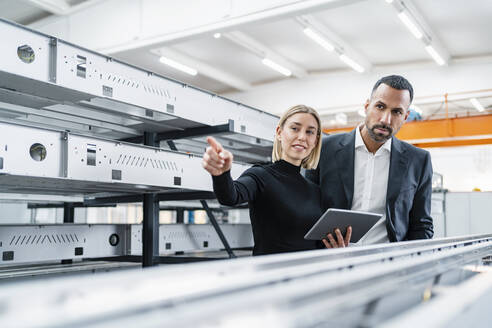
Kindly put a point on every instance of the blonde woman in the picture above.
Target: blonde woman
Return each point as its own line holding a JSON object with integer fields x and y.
{"x": 283, "y": 205}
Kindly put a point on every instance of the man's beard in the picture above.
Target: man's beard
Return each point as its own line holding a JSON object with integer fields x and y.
{"x": 377, "y": 136}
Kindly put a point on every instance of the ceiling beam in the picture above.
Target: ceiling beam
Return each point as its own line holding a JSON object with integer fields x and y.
{"x": 262, "y": 51}
{"x": 144, "y": 28}
{"x": 59, "y": 8}
{"x": 56, "y": 7}
{"x": 204, "y": 68}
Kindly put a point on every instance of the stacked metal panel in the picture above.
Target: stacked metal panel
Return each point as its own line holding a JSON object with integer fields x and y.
{"x": 67, "y": 112}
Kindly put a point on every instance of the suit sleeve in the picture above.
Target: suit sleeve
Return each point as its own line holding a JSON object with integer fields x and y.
{"x": 245, "y": 189}
{"x": 421, "y": 226}
{"x": 313, "y": 175}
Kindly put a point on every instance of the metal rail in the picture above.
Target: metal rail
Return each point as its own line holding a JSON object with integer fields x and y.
{"x": 356, "y": 286}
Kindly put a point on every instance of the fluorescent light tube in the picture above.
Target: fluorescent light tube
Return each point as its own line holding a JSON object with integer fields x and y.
{"x": 352, "y": 63}
{"x": 438, "y": 59}
{"x": 389, "y": 1}
{"x": 318, "y": 39}
{"x": 410, "y": 24}
{"x": 276, "y": 67}
{"x": 478, "y": 106}
{"x": 178, "y": 66}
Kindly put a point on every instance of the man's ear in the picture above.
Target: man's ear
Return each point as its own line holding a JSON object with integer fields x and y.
{"x": 366, "y": 105}
{"x": 407, "y": 113}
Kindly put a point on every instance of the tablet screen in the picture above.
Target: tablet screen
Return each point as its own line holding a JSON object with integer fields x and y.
{"x": 333, "y": 218}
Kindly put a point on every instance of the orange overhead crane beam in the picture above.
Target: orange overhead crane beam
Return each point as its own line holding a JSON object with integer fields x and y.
{"x": 449, "y": 132}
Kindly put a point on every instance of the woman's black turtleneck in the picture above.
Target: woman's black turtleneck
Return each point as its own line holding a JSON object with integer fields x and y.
{"x": 283, "y": 205}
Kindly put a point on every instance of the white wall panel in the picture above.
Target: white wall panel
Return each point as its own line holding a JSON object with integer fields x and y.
{"x": 437, "y": 213}
{"x": 457, "y": 214}
{"x": 464, "y": 168}
{"x": 480, "y": 213}
{"x": 468, "y": 213}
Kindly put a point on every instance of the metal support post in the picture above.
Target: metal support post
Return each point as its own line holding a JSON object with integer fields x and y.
{"x": 216, "y": 226}
{"x": 150, "y": 225}
{"x": 68, "y": 217}
{"x": 172, "y": 145}
{"x": 68, "y": 213}
{"x": 180, "y": 215}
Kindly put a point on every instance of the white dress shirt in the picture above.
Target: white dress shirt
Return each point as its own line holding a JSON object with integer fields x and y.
{"x": 371, "y": 173}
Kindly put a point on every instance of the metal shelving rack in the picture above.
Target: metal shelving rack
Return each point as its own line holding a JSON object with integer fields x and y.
{"x": 77, "y": 123}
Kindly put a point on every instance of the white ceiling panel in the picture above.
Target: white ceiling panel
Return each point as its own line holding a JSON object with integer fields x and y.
{"x": 373, "y": 28}
{"x": 21, "y": 11}
{"x": 287, "y": 38}
{"x": 465, "y": 27}
{"x": 229, "y": 57}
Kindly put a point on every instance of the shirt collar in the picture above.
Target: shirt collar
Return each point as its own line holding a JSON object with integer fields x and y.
{"x": 360, "y": 143}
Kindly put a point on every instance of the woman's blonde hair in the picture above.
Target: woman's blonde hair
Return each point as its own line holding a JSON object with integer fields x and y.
{"x": 311, "y": 161}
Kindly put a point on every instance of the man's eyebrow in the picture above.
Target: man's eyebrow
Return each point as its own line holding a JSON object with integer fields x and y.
{"x": 381, "y": 102}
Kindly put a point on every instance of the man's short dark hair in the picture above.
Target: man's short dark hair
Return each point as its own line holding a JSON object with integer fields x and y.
{"x": 396, "y": 82}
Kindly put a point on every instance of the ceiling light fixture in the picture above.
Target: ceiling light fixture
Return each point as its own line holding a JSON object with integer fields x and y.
{"x": 416, "y": 24}
{"x": 478, "y": 106}
{"x": 389, "y": 1}
{"x": 410, "y": 24}
{"x": 273, "y": 65}
{"x": 330, "y": 41}
{"x": 438, "y": 59}
{"x": 178, "y": 66}
{"x": 318, "y": 39}
{"x": 217, "y": 35}
{"x": 350, "y": 62}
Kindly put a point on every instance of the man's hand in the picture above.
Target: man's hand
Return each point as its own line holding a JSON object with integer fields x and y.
{"x": 330, "y": 241}
{"x": 216, "y": 159}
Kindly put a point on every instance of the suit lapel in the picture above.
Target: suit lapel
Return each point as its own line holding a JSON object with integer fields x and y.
{"x": 345, "y": 163}
{"x": 397, "y": 170}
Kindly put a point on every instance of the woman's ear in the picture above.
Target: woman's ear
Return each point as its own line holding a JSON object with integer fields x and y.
{"x": 278, "y": 130}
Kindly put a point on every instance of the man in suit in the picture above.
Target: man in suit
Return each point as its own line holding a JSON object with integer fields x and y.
{"x": 370, "y": 170}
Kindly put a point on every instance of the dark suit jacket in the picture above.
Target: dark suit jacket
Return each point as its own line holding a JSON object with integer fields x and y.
{"x": 408, "y": 197}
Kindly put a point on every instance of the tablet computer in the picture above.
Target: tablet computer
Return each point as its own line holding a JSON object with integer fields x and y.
{"x": 333, "y": 218}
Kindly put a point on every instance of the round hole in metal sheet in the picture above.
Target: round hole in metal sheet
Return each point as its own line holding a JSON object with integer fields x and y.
{"x": 114, "y": 239}
{"x": 38, "y": 152}
{"x": 26, "y": 54}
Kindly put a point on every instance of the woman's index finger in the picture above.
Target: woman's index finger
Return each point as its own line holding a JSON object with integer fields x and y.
{"x": 214, "y": 144}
